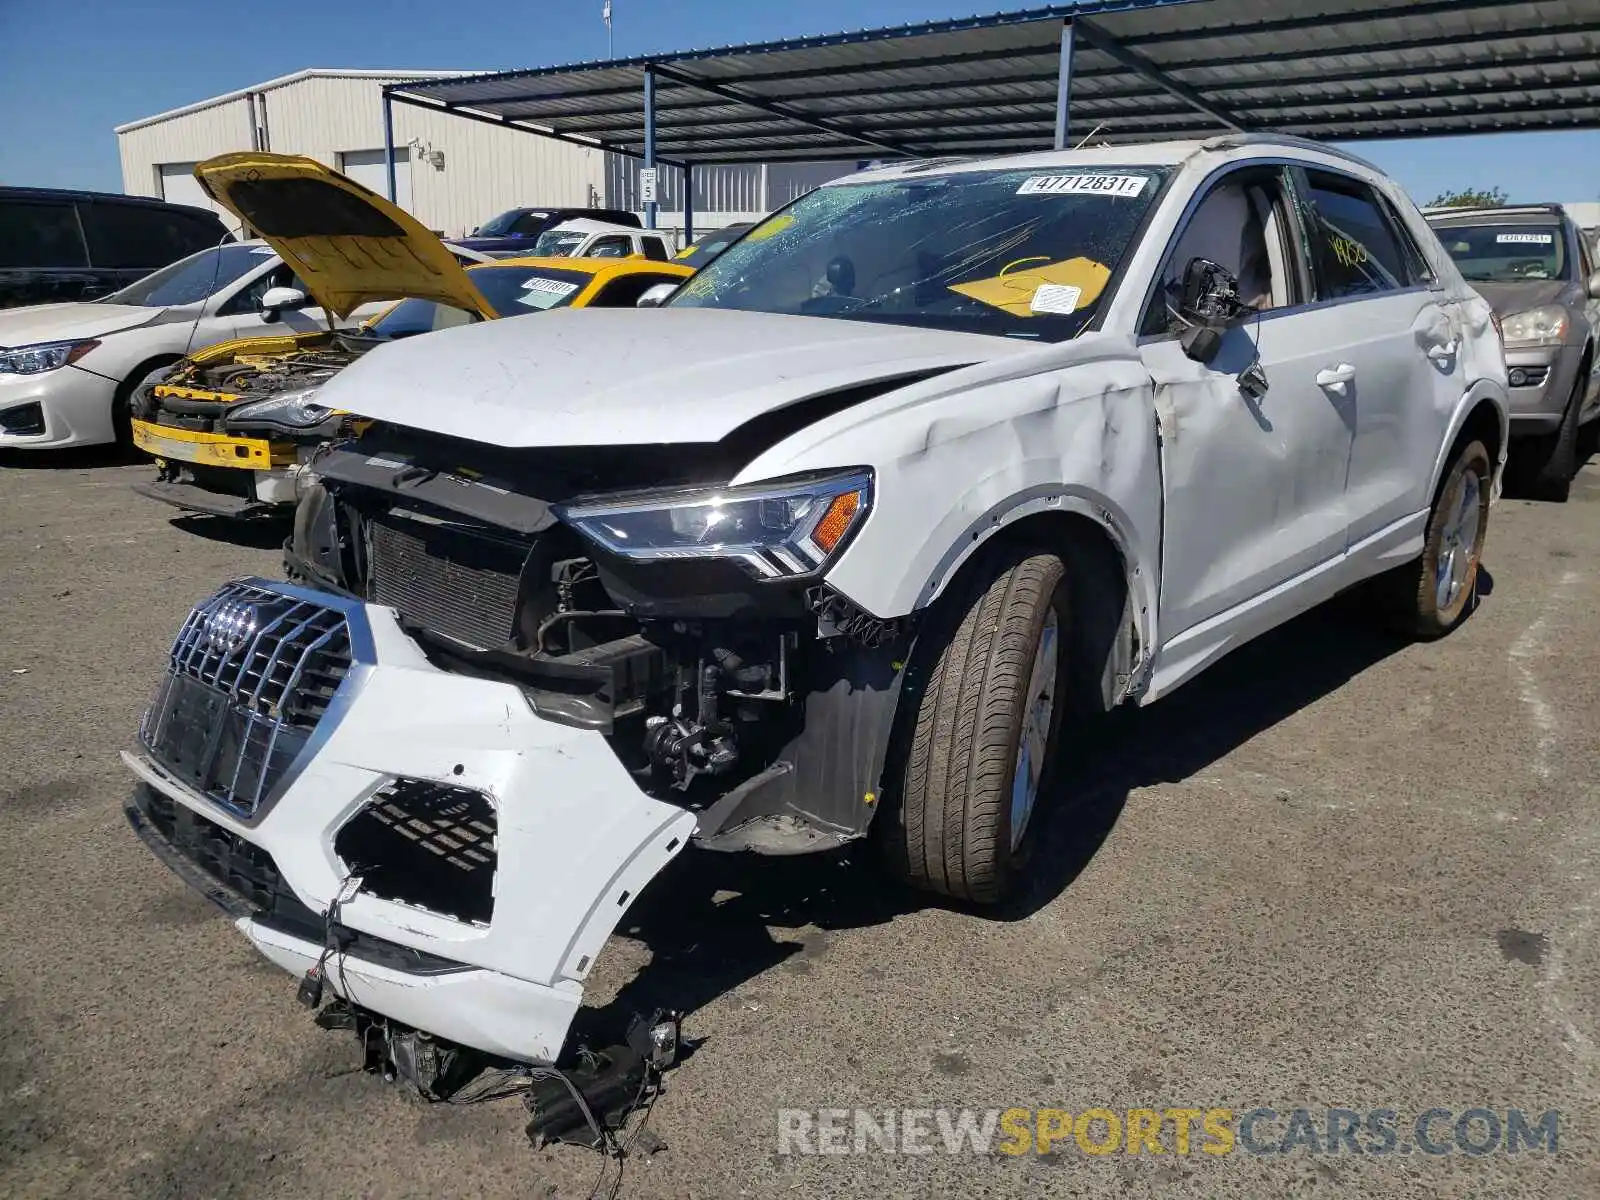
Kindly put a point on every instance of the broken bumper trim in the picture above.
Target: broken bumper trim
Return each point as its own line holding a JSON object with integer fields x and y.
{"x": 197, "y": 851}
{"x": 576, "y": 842}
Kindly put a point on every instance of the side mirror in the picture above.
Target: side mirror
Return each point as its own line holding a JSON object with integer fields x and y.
{"x": 1209, "y": 302}
{"x": 280, "y": 300}
{"x": 1594, "y": 286}
{"x": 656, "y": 295}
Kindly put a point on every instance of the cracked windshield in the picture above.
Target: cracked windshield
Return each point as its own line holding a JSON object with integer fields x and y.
{"x": 1022, "y": 254}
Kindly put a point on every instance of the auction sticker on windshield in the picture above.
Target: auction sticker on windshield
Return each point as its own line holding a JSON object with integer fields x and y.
{"x": 1126, "y": 186}
{"x": 1526, "y": 239}
{"x": 540, "y": 292}
{"x": 1056, "y": 298}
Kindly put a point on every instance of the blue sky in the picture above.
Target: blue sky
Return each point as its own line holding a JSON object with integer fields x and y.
{"x": 70, "y": 72}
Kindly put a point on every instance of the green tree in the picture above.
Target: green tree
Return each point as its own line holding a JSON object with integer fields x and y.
{"x": 1469, "y": 198}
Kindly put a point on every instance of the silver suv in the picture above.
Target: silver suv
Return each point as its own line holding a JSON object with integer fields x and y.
{"x": 1533, "y": 264}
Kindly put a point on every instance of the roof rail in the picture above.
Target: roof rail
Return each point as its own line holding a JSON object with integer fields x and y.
{"x": 1228, "y": 141}
{"x": 1446, "y": 210}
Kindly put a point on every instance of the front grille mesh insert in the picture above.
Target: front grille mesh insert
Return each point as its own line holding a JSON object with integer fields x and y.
{"x": 251, "y": 673}
{"x": 450, "y": 580}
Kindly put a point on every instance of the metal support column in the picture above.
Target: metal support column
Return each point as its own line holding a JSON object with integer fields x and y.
{"x": 688, "y": 204}
{"x": 1064, "y": 86}
{"x": 388, "y": 142}
{"x": 651, "y": 207}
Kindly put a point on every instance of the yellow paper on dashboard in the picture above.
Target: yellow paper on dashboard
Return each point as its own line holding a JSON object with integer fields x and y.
{"x": 1052, "y": 288}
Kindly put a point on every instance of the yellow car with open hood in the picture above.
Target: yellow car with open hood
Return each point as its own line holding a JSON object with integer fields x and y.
{"x": 233, "y": 427}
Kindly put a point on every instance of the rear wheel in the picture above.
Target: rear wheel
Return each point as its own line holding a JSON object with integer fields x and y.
{"x": 1434, "y": 593}
{"x": 987, "y": 721}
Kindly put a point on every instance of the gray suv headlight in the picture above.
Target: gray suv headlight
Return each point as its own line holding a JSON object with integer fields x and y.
{"x": 1546, "y": 326}
{"x": 782, "y": 529}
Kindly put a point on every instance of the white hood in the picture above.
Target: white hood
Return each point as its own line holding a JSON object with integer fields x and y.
{"x": 69, "y": 322}
{"x": 599, "y": 377}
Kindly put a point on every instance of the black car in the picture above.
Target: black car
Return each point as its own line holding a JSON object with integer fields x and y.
{"x": 515, "y": 230}
{"x": 62, "y": 245}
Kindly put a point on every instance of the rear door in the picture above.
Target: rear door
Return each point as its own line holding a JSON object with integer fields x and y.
{"x": 1385, "y": 346}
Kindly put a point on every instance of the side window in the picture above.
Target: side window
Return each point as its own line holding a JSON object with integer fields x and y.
{"x": 40, "y": 233}
{"x": 126, "y": 235}
{"x": 1585, "y": 256}
{"x": 248, "y": 298}
{"x": 1354, "y": 248}
{"x": 1244, "y": 224}
{"x": 625, "y": 291}
{"x": 610, "y": 247}
{"x": 655, "y": 248}
{"x": 195, "y": 233}
{"x": 1418, "y": 268}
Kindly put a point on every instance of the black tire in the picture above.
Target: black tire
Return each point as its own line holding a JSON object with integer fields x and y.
{"x": 1549, "y": 462}
{"x": 122, "y": 400}
{"x": 1416, "y": 593}
{"x": 951, "y": 831}
{"x": 1588, "y": 441}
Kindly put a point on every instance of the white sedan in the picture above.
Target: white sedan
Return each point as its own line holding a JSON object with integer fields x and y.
{"x": 67, "y": 371}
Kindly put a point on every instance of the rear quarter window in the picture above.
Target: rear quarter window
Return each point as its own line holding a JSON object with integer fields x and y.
{"x": 40, "y": 234}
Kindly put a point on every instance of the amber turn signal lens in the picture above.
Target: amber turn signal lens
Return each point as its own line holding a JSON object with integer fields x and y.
{"x": 836, "y": 520}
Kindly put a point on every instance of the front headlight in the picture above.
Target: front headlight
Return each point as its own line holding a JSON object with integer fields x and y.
{"x": 784, "y": 529}
{"x": 287, "y": 410}
{"x": 47, "y": 356}
{"x": 1545, "y": 326}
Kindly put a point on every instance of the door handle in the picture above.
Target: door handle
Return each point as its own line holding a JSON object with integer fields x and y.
{"x": 1335, "y": 378}
{"x": 1443, "y": 353}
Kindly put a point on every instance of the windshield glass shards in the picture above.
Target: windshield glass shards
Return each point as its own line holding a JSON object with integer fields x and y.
{"x": 1012, "y": 253}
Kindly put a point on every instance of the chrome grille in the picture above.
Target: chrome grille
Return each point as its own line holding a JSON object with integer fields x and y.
{"x": 250, "y": 674}
{"x": 447, "y": 578}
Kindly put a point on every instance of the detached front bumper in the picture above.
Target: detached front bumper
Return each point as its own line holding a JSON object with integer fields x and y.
{"x": 219, "y": 474}
{"x": 257, "y": 779}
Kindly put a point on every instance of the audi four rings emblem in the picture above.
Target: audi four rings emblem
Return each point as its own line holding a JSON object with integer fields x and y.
{"x": 228, "y": 626}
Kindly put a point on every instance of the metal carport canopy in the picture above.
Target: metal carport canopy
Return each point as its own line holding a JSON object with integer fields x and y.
{"x": 1135, "y": 70}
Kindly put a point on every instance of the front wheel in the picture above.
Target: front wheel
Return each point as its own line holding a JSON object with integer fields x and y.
{"x": 1545, "y": 465}
{"x": 122, "y": 403}
{"x": 987, "y": 721}
{"x": 1434, "y": 593}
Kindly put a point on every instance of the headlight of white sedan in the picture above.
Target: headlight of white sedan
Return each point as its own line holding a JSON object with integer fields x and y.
{"x": 783, "y": 529}
{"x": 1546, "y": 326}
{"x": 46, "y": 356}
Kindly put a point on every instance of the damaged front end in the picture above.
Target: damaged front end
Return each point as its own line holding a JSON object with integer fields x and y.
{"x": 233, "y": 429}
{"x": 436, "y": 782}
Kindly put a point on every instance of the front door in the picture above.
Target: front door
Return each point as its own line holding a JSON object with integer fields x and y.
{"x": 1254, "y": 486}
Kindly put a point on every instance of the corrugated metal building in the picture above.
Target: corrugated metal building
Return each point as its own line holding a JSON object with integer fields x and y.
{"x": 452, "y": 174}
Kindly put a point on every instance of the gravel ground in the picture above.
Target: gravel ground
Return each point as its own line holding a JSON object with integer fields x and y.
{"x": 1336, "y": 871}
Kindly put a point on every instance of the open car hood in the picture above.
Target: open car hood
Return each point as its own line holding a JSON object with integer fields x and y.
{"x": 348, "y": 245}
{"x": 599, "y": 377}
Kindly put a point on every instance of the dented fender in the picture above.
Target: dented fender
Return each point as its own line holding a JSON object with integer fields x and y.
{"x": 1062, "y": 428}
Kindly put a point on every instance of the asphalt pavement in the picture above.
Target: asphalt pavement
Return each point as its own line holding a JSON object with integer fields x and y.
{"x": 1336, "y": 872}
